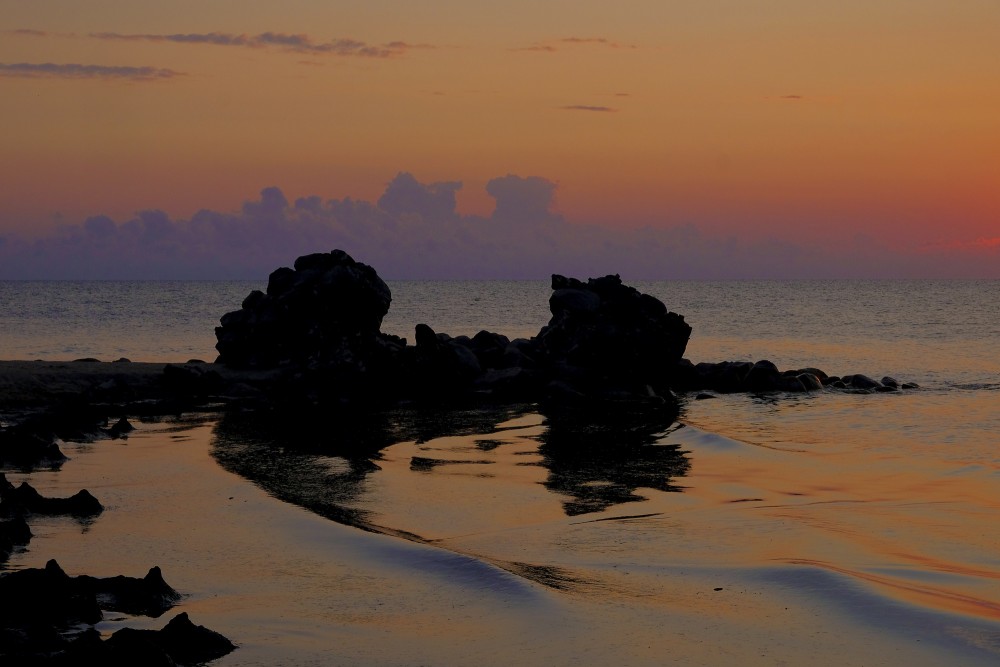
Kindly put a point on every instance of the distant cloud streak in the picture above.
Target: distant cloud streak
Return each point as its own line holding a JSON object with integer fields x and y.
{"x": 78, "y": 71}
{"x": 601, "y": 41}
{"x": 551, "y": 46}
{"x": 587, "y": 107}
{"x": 297, "y": 43}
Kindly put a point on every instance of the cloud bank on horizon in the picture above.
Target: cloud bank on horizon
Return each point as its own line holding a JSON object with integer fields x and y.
{"x": 414, "y": 231}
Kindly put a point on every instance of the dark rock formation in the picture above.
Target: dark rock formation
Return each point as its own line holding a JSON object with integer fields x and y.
{"x": 148, "y": 596}
{"x": 320, "y": 322}
{"x": 46, "y": 596}
{"x": 605, "y": 343}
{"x": 26, "y": 446}
{"x": 13, "y": 533}
{"x": 24, "y": 499}
{"x": 41, "y": 607}
{"x": 608, "y": 340}
{"x": 180, "y": 641}
{"x": 327, "y": 309}
{"x": 727, "y": 377}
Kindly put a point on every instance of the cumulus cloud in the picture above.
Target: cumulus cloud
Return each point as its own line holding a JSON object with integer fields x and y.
{"x": 413, "y": 231}
{"x": 294, "y": 42}
{"x": 521, "y": 199}
{"x": 405, "y": 195}
{"x": 78, "y": 71}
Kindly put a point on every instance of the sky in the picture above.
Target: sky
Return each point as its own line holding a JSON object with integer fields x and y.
{"x": 454, "y": 139}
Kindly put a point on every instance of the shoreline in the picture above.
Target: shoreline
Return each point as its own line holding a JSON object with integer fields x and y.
{"x": 488, "y": 519}
{"x": 315, "y": 590}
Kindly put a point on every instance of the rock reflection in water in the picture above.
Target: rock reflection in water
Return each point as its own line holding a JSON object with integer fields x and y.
{"x": 321, "y": 462}
{"x": 594, "y": 460}
{"x": 602, "y": 459}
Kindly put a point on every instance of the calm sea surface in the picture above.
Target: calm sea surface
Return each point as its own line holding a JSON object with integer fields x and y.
{"x": 944, "y": 335}
{"x": 824, "y": 528}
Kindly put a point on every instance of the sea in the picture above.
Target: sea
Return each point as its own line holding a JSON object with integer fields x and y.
{"x": 872, "y": 517}
{"x": 942, "y": 335}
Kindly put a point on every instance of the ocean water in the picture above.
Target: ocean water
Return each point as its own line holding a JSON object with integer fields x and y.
{"x": 943, "y": 335}
{"x": 825, "y": 528}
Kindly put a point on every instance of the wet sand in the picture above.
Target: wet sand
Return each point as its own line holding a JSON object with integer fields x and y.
{"x": 470, "y": 557}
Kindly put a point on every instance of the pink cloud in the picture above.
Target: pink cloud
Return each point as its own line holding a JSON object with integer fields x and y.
{"x": 293, "y": 42}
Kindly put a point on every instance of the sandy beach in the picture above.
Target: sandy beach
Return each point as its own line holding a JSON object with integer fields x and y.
{"x": 475, "y": 548}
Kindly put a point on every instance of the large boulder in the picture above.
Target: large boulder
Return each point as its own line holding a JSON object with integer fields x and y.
{"x": 325, "y": 311}
{"x": 608, "y": 337}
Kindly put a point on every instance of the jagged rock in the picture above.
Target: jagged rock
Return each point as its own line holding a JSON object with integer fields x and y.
{"x": 180, "y": 640}
{"x": 120, "y": 428}
{"x": 26, "y": 499}
{"x": 39, "y": 605}
{"x": 607, "y": 337}
{"x": 605, "y": 341}
{"x": 147, "y": 596}
{"x": 45, "y": 596}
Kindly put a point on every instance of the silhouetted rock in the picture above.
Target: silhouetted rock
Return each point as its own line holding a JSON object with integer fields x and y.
{"x": 25, "y": 499}
{"x": 858, "y": 381}
{"x": 191, "y": 381}
{"x": 810, "y": 381}
{"x": 147, "y": 596}
{"x": 13, "y": 532}
{"x": 181, "y": 641}
{"x": 120, "y": 428}
{"x": 605, "y": 342}
{"x": 328, "y": 309}
{"x": 40, "y": 606}
{"x": 606, "y": 339}
{"x": 440, "y": 364}
{"x": 45, "y": 596}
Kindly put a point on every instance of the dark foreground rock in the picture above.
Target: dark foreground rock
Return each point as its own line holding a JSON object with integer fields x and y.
{"x": 42, "y": 609}
{"x": 25, "y": 500}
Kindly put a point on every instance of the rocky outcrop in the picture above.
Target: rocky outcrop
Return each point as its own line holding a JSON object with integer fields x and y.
{"x": 326, "y": 310}
{"x": 727, "y": 377}
{"x": 321, "y": 321}
{"x": 25, "y": 499}
{"x": 41, "y": 607}
{"x": 608, "y": 340}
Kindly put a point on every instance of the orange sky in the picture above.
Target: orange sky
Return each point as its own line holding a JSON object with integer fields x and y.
{"x": 743, "y": 118}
